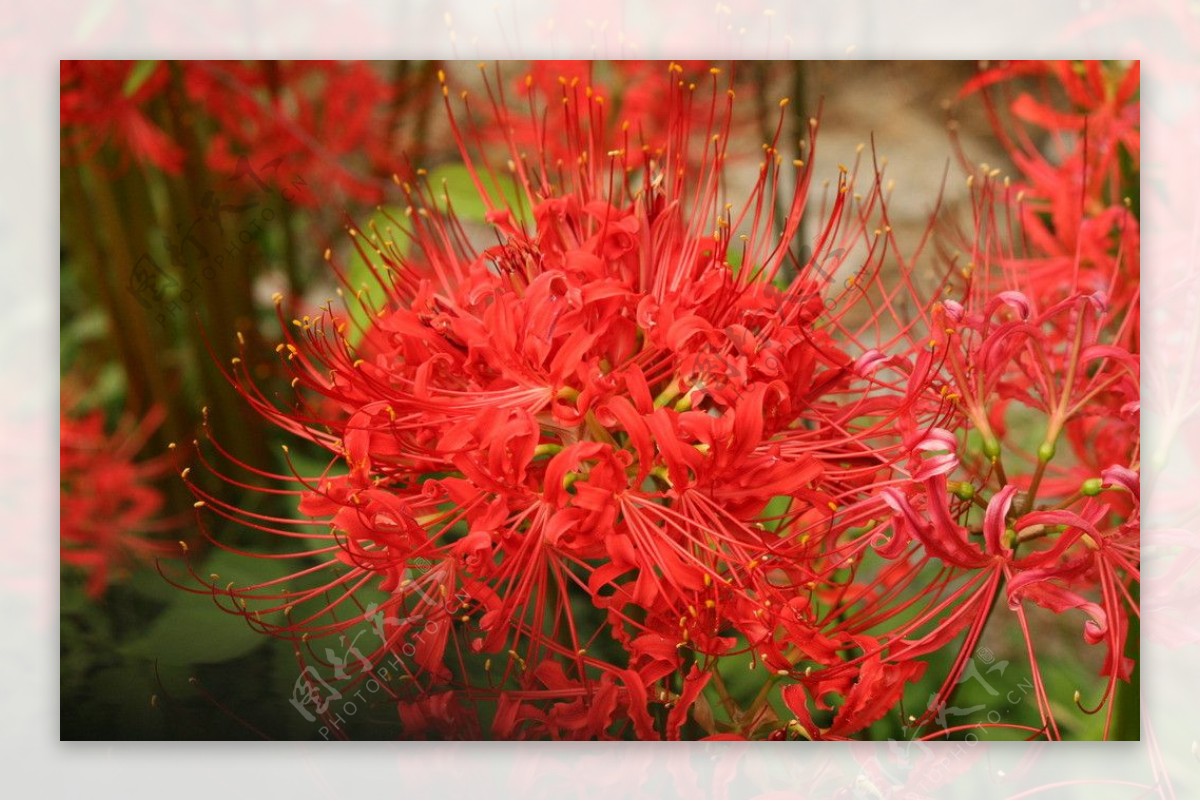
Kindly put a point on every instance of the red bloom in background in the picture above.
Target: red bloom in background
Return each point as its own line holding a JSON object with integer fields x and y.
{"x": 324, "y": 123}
{"x": 110, "y": 506}
{"x": 105, "y": 101}
{"x": 315, "y": 128}
{"x": 1073, "y": 132}
{"x": 626, "y": 103}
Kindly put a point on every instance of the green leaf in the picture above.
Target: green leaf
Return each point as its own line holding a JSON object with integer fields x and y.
{"x": 772, "y": 515}
{"x": 453, "y": 182}
{"x": 358, "y": 269}
{"x": 193, "y": 630}
{"x": 140, "y": 73}
{"x": 189, "y": 635}
{"x": 150, "y": 584}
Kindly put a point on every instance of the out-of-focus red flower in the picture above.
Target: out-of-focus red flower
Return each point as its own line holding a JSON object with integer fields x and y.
{"x": 315, "y": 128}
{"x": 110, "y": 506}
{"x": 1073, "y": 131}
{"x": 625, "y": 102}
{"x": 105, "y": 102}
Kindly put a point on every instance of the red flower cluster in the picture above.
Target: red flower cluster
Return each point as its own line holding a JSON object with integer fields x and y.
{"x": 103, "y": 101}
{"x": 625, "y": 99}
{"x": 335, "y": 125}
{"x": 1076, "y": 210}
{"x": 109, "y": 504}
{"x": 583, "y": 465}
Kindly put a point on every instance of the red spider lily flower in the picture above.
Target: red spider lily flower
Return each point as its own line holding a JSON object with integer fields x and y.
{"x": 585, "y": 463}
{"x": 109, "y": 504}
{"x": 876, "y": 689}
{"x": 1076, "y": 217}
{"x": 102, "y": 101}
{"x": 1101, "y": 102}
{"x": 1009, "y": 518}
{"x": 632, "y": 95}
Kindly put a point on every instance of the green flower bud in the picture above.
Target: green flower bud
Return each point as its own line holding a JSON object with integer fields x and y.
{"x": 991, "y": 448}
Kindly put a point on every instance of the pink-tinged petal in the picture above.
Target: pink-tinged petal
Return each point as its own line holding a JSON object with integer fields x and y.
{"x": 936, "y": 439}
{"x": 1121, "y": 476}
{"x": 994, "y": 519}
{"x": 869, "y": 362}
{"x": 1014, "y": 300}
{"x": 1036, "y": 586}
